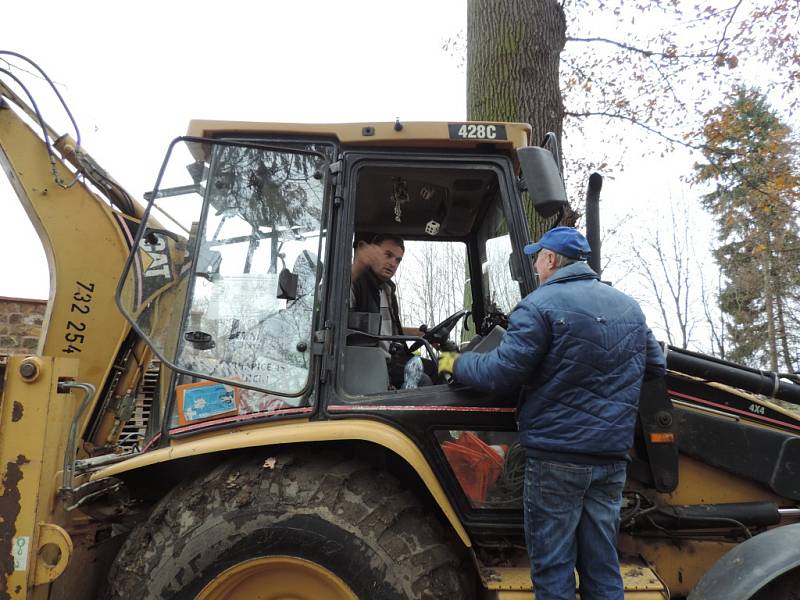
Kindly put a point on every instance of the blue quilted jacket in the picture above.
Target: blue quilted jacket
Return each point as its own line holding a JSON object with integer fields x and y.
{"x": 581, "y": 349}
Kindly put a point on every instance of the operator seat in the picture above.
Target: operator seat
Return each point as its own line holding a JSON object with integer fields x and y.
{"x": 364, "y": 370}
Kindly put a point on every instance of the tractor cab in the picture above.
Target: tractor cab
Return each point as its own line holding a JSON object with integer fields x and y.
{"x": 240, "y": 280}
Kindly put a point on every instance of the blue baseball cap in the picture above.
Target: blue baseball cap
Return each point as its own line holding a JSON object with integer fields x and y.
{"x": 566, "y": 241}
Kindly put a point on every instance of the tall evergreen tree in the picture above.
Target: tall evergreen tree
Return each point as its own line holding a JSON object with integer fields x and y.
{"x": 752, "y": 160}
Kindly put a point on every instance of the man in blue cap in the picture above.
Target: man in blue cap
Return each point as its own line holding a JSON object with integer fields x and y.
{"x": 581, "y": 350}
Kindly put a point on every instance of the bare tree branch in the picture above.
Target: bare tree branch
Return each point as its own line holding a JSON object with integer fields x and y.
{"x": 634, "y": 49}
{"x": 634, "y": 121}
{"x": 724, "y": 35}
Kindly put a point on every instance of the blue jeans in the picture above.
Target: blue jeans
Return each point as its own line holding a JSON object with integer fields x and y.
{"x": 571, "y": 521}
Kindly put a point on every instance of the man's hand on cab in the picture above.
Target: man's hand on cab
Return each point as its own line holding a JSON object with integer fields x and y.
{"x": 365, "y": 257}
{"x": 368, "y": 255}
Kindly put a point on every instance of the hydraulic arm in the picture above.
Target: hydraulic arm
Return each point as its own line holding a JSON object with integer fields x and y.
{"x": 81, "y": 319}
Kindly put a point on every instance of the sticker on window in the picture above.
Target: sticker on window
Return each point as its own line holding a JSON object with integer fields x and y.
{"x": 206, "y": 400}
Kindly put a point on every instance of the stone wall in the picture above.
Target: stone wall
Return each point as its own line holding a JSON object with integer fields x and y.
{"x": 20, "y": 324}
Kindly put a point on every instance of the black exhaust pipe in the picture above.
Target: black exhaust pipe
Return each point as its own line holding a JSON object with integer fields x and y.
{"x": 593, "y": 220}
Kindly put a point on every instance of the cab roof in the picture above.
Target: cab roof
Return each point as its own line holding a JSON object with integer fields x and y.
{"x": 454, "y": 134}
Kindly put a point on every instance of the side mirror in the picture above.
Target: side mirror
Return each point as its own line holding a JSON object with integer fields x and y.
{"x": 287, "y": 285}
{"x": 543, "y": 180}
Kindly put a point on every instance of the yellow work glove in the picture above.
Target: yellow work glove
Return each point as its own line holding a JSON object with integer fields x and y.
{"x": 447, "y": 362}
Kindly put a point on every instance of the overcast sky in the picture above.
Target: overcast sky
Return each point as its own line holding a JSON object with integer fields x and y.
{"x": 135, "y": 74}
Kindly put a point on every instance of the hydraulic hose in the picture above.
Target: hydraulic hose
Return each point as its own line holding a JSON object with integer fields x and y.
{"x": 766, "y": 383}
{"x": 705, "y": 516}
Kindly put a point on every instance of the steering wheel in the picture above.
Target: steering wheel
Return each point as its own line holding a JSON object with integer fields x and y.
{"x": 439, "y": 333}
{"x": 493, "y": 317}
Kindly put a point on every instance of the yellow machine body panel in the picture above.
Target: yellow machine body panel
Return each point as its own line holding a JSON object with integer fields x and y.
{"x": 428, "y": 134}
{"x": 514, "y": 583}
{"x": 34, "y": 423}
{"x": 296, "y": 432}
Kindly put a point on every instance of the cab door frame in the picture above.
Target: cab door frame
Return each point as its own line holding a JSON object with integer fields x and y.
{"x": 421, "y": 412}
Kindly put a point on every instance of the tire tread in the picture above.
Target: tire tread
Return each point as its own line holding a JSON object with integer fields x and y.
{"x": 421, "y": 559}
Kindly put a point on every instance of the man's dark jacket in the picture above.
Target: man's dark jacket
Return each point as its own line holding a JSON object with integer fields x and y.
{"x": 367, "y": 296}
{"x": 581, "y": 349}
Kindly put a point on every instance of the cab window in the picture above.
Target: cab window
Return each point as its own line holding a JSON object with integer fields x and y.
{"x": 458, "y": 277}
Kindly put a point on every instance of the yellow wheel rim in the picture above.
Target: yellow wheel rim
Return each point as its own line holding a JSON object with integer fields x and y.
{"x": 276, "y": 578}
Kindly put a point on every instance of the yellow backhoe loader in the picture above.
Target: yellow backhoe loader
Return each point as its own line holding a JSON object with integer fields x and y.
{"x": 206, "y": 418}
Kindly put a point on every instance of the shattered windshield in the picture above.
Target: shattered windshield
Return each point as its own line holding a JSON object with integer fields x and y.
{"x": 224, "y": 286}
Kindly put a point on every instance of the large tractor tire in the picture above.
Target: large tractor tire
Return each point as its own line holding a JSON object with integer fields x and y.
{"x": 784, "y": 587}
{"x": 290, "y": 525}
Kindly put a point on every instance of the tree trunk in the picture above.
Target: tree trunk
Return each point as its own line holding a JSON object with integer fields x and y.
{"x": 783, "y": 335}
{"x": 769, "y": 298}
{"x": 513, "y": 57}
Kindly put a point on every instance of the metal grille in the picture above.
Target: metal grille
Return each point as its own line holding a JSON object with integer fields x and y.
{"x": 134, "y": 430}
